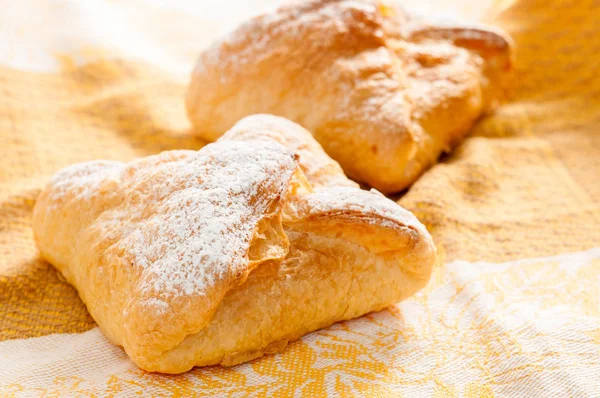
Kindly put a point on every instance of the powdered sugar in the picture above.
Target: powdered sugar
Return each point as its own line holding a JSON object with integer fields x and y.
{"x": 184, "y": 219}
{"x": 317, "y": 166}
{"x": 158, "y": 306}
{"x": 81, "y": 180}
{"x": 196, "y": 230}
{"x": 372, "y": 206}
{"x": 255, "y": 39}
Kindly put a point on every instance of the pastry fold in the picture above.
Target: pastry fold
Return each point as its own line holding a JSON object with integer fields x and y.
{"x": 225, "y": 254}
{"x": 385, "y": 92}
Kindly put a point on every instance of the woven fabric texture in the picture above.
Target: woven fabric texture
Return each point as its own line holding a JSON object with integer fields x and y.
{"x": 513, "y": 308}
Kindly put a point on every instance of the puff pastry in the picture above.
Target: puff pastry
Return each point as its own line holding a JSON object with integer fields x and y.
{"x": 225, "y": 254}
{"x": 383, "y": 91}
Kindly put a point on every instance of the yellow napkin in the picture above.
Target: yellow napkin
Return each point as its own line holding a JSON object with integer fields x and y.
{"x": 512, "y": 310}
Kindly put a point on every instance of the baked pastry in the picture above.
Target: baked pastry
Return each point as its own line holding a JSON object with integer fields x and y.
{"x": 383, "y": 91}
{"x": 225, "y": 254}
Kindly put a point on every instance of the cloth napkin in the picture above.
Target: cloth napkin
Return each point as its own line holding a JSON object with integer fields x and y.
{"x": 512, "y": 309}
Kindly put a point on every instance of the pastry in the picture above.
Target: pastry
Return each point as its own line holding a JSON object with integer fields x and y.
{"x": 219, "y": 256}
{"x": 383, "y": 91}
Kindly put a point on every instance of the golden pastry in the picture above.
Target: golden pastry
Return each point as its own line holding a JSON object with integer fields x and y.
{"x": 225, "y": 254}
{"x": 384, "y": 92}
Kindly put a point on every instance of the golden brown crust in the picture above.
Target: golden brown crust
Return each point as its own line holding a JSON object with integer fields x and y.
{"x": 317, "y": 166}
{"x": 155, "y": 244}
{"x": 384, "y": 93}
{"x": 179, "y": 279}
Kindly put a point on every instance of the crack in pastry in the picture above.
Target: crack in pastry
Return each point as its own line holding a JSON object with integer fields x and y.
{"x": 225, "y": 254}
{"x": 383, "y": 91}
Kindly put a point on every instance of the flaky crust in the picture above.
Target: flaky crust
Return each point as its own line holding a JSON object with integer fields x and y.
{"x": 384, "y": 92}
{"x": 152, "y": 246}
{"x": 222, "y": 255}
